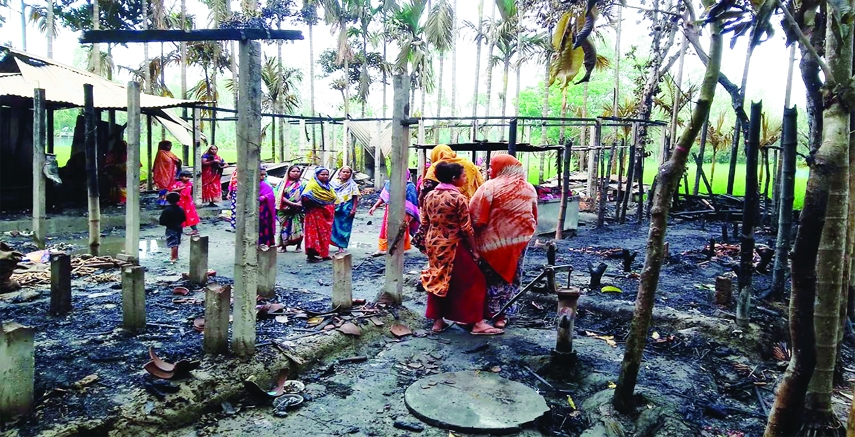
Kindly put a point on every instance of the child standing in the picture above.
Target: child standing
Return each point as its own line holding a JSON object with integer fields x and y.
{"x": 184, "y": 187}
{"x": 172, "y": 217}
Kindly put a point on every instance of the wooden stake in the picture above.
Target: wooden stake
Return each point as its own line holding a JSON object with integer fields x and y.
{"x": 246, "y": 232}
{"x": 749, "y": 216}
{"x": 266, "y": 271}
{"x": 562, "y": 209}
{"x": 90, "y": 139}
{"x": 342, "y": 293}
{"x": 199, "y": 260}
{"x": 396, "y": 224}
{"x": 39, "y": 180}
{"x": 133, "y": 298}
{"x": 60, "y": 283}
{"x": 216, "y": 334}
{"x": 132, "y": 176}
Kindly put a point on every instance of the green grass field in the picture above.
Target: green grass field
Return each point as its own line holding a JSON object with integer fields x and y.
{"x": 62, "y": 149}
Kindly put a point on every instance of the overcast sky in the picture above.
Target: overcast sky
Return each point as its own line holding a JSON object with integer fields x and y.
{"x": 766, "y": 81}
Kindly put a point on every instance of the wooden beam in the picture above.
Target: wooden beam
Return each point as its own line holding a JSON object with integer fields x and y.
{"x": 246, "y": 231}
{"x": 379, "y": 177}
{"x": 396, "y": 225}
{"x": 128, "y": 36}
{"x": 132, "y": 207}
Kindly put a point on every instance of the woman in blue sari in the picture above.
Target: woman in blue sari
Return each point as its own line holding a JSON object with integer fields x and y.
{"x": 347, "y": 198}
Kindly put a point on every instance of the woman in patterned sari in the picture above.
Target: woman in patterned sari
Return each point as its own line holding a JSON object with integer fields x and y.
{"x": 443, "y": 153}
{"x": 266, "y": 212}
{"x": 504, "y": 215}
{"x": 212, "y": 171}
{"x": 347, "y": 199}
{"x": 456, "y": 287}
{"x": 289, "y": 210}
{"x": 318, "y": 200}
{"x": 412, "y": 216}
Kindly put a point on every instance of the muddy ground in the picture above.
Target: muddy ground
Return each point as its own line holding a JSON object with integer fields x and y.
{"x": 714, "y": 379}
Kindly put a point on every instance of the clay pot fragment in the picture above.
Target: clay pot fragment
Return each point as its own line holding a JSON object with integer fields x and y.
{"x": 399, "y": 330}
{"x": 350, "y": 329}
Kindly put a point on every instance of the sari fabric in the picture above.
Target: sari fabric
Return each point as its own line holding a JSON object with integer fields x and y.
{"x": 185, "y": 190}
{"x": 443, "y": 153}
{"x": 266, "y": 214}
{"x": 290, "y": 218}
{"x": 504, "y": 215}
{"x": 445, "y": 220}
{"x": 464, "y": 301}
{"x": 318, "y": 201}
{"x": 212, "y": 189}
{"x": 412, "y": 210}
{"x": 115, "y": 167}
{"x": 233, "y": 198}
{"x": 164, "y": 169}
{"x": 343, "y": 221}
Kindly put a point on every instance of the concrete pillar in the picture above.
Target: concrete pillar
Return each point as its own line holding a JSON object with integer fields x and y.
{"x": 396, "y": 223}
{"x": 342, "y": 292}
{"x": 132, "y": 205}
{"x": 246, "y": 232}
{"x": 60, "y": 283}
{"x": 17, "y": 370}
{"x": 90, "y": 145}
{"x": 217, "y": 303}
{"x": 199, "y": 260}
{"x": 133, "y": 298}
{"x": 266, "y": 271}
{"x": 39, "y": 180}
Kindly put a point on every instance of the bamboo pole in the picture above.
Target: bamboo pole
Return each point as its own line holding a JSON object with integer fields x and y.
{"x": 785, "y": 213}
{"x": 749, "y": 216}
{"x": 90, "y": 139}
{"x": 565, "y": 191}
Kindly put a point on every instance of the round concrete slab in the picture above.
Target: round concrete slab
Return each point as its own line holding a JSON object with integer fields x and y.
{"x": 474, "y": 402}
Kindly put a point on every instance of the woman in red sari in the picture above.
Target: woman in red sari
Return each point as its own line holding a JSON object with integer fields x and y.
{"x": 212, "y": 171}
{"x": 318, "y": 200}
{"x": 184, "y": 187}
{"x": 504, "y": 215}
{"x": 166, "y": 166}
{"x": 456, "y": 287}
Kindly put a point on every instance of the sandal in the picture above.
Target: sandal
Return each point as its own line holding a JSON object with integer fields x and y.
{"x": 445, "y": 327}
{"x": 501, "y": 323}
{"x": 490, "y": 331}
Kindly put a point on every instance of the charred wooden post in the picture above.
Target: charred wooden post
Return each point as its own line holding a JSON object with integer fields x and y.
{"x": 149, "y": 181}
{"x": 266, "y": 271}
{"x": 132, "y": 176}
{"x": 734, "y": 150}
{"x": 246, "y": 232}
{"x": 550, "y": 253}
{"x": 17, "y": 370}
{"x": 639, "y": 216}
{"x": 60, "y": 284}
{"x": 596, "y": 275}
{"x": 630, "y": 173}
{"x": 604, "y": 186}
{"x": 699, "y": 163}
{"x": 593, "y": 154}
{"x": 512, "y": 138}
{"x": 133, "y": 298}
{"x": 565, "y": 191}
{"x": 39, "y": 179}
{"x": 619, "y": 197}
{"x": 199, "y": 260}
{"x": 628, "y": 257}
{"x": 90, "y": 137}
{"x": 710, "y": 252}
{"x": 785, "y": 211}
{"x": 568, "y": 300}
{"x": 749, "y": 215}
{"x": 342, "y": 293}
{"x": 723, "y": 290}
{"x": 396, "y": 225}
{"x": 217, "y": 304}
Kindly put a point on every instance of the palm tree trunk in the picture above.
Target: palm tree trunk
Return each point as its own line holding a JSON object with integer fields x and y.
{"x": 505, "y": 70}
{"x": 51, "y": 28}
{"x": 616, "y": 96}
{"x": 678, "y": 93}
{"x": 477, "y": 67}
{"x": 544, "y": 112}
{"x": 832, "y": 246}
{"x": 95, "y": 60}
{"x": 439, "y": 97}
{"x": 346, "y": 86}
{"x": 583, "y": 138}
{"x": 311, "y": 78}
{"x": 24, "y": 25}
{"x": 454, "y": 64}
{"x": 670, "y": 174}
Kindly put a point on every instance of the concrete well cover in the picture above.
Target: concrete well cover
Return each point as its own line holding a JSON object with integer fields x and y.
{"x": 474, "y": 402}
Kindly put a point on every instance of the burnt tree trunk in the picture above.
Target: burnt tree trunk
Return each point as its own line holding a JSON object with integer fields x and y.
{"x": 785, "y": 213}
{"x": 670, "y": 174}
{"x": 749, "y": 217}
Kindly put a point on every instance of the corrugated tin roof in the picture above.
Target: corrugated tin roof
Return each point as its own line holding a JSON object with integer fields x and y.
{"x": 63, "y": 85}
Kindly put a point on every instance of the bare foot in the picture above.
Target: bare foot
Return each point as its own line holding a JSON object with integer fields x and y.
{"x": 439, "y": 325}
{"x": 482, "y": 328}
{"x": 501, "y": 323}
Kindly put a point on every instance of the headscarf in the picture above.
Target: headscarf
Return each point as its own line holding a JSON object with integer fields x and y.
{"x": 319, "y": 192}
{"x": 504, "y": 214}
{"x": 443, "y": 153}
{"x": 345, "y": 190}
{"x": 288, "y": 189}
{"x": 412, "y": 199}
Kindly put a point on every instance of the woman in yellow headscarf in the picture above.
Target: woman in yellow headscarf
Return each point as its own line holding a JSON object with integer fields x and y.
{"x": 443, "y": 153}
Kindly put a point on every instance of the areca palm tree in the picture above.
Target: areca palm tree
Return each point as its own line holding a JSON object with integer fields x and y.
{"x": 338, "y": 14}
{"x": 443, "y": 19}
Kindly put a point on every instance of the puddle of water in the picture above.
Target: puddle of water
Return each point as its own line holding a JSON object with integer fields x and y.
{"x": 112, "y": 246}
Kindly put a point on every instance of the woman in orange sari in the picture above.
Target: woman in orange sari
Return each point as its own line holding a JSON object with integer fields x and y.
{"x": 212, "y": 171}
{"x": 504, "y": 215}
{"x": 443, "y": 153}
{"x": 165, "y": 169}
{"x": 456, "y": 287}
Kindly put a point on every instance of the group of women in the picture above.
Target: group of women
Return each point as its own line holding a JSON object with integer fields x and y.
{"x": 475, "y": 235}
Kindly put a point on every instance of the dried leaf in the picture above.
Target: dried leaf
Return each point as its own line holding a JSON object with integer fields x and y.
{"x": 611, "y": 289}
{"x": 314, "y": 321}
{"x": 612, "y": 385}
{"x": 350, "y": 329}
{"x": 609, "y": 339}
{"x": 399, "y": 330}
{"x": 87, "y": 380}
